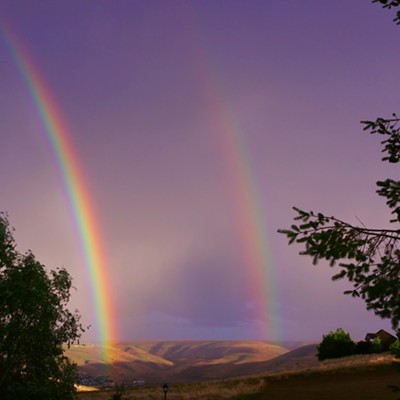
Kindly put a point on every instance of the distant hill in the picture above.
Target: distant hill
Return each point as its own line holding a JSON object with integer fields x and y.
{"x": 304, "y": 357}
{"x": 188, "y": 361}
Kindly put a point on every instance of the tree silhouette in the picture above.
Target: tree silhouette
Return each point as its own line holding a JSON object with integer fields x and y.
{"x": 34, "y": 325}
{"x": 389, "y": 4}
{"x": 367, "y": 257}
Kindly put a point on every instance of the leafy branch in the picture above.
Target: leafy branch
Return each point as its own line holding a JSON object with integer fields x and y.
{"x": 387, "y": 127}
{"x": 369, "y": 258}
{"x": 389, "y": 4}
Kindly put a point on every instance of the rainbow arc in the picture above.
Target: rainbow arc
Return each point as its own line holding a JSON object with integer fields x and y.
{"x": 74, "y": 184}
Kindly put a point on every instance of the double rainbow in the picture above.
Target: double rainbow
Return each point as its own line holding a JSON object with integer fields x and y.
{"x": 75, "y": 186}
{"x": 244, "y": 190}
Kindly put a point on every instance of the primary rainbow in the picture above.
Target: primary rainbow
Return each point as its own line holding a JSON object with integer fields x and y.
{"x": 76, "y": 188}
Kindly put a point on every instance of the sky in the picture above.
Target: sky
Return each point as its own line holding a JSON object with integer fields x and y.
{"x": 197, "y": 125}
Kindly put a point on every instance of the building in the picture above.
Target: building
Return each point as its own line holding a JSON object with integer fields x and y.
{"x": 386, "y": 338}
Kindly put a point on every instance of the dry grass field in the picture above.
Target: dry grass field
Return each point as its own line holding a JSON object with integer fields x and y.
{"x": 346, "y": 385}
{"x": 230, "y": 389}
{"x": 357, "y": 377}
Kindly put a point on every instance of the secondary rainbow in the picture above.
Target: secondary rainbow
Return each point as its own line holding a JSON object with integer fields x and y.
{"x": 75, "y": 186}
{"x": 243, "y": 187}
{"x": 250, "y": 214}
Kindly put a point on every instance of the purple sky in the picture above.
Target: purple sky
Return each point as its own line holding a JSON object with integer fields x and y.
{"x": 133, "y": 81}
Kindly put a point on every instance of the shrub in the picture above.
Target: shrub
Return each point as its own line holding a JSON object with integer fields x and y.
{"x": 335, "y": 344}
{"x": 377, "y": 346}
{"x": 363, "y": 347}
{"x": 119, "y": 393}
{"x": 395, "y": 348}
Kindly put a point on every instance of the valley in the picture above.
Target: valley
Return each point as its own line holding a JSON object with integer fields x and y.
{"x": 154, "y": 362}
{"x": 242, "y": 370}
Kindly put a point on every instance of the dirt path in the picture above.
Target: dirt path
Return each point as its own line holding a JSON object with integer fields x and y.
{"x": 368, "y": 385}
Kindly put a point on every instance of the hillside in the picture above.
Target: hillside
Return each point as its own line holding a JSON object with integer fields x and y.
{"x": 304, "y": 357}
{"x": 366, "y": 377}
{"x": 175, "y": 361}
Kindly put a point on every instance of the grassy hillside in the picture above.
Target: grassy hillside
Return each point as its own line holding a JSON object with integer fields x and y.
{"x": 85, "y": 354}
{"x": 174, "y": 361}
{"x": 350, "y": 378}
{"x": 213, "y": 352}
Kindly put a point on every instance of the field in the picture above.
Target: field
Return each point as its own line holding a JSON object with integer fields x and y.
{"x": 362, "y": 382}
{"x": 295, "y": 375}
{"x": 341, "y": 385}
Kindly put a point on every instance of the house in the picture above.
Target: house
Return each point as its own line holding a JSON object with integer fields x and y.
{"x": 386, "y": 338}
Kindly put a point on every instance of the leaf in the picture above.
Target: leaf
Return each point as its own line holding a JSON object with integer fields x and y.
{"x": 338, "y": 276}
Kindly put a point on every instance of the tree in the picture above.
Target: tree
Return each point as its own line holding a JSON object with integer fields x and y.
{"x": 34, "y": 325}
{"x": 389, "y": 4}
{"x": 369, "y": 258}
{"x": 335, "y": 345}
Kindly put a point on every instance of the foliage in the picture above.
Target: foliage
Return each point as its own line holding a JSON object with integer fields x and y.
{"x": 336, "y": 344}
{"x": 119, "y": 393}
{"x": 377, "y": 346}
{"x": 389, "y": 4}
{"x": 369, "y": 258}
{"x": 363, "y": 347}
{"x": 34, "y": 324}
{"x": 395, "y": 348}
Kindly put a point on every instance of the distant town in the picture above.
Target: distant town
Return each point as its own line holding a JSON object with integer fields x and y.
{"x": 105, "y": 382}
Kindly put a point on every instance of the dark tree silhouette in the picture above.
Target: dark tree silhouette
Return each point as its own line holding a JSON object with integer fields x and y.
{"x": 368, "y": 257}
{"x": 389, "y": 4}
{"x": 34, "y": 325}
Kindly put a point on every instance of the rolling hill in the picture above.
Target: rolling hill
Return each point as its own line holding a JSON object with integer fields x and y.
{"x": 176, "y": 361}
